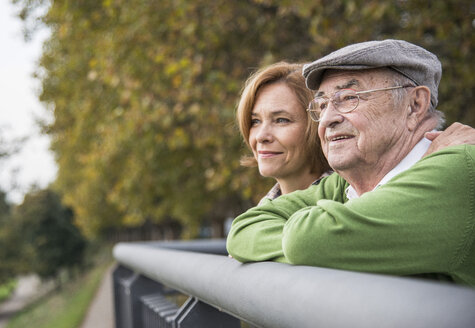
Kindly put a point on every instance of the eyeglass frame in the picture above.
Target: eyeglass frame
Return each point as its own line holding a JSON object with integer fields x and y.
{"x": 357, "y": 93}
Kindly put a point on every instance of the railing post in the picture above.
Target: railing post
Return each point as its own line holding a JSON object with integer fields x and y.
{"x": 128, "y": 290}
{"x": 118, "y": 275}
{"x": 196, "y": 314}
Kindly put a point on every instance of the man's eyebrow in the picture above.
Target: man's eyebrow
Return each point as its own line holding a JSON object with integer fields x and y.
{"x": 319, "y": 94}
{"x": 347, "y": 85}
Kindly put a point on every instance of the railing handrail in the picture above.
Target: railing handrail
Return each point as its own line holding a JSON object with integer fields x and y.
{"x": 269, "y": 294}
{"x": 208, "y": 246}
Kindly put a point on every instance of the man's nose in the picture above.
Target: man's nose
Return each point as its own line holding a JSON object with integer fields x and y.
{"x": 330, "y": 116}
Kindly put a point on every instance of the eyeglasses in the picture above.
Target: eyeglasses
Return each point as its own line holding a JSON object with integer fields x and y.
{"x": 344, "y": 101}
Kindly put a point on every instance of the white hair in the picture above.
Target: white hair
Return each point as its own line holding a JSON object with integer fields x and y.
{"x": 400, "y": 94}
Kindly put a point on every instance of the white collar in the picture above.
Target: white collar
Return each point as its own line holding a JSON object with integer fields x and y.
{"x": 412, "y": 158}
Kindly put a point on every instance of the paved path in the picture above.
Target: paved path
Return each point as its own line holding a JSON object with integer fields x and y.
{"x": 100, "y": 313}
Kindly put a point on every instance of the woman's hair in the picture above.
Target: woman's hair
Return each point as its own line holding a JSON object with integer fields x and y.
{"x": 291, "y": 75}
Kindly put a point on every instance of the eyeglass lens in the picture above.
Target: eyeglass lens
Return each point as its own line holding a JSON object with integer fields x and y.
{"x": 343, "y": 101}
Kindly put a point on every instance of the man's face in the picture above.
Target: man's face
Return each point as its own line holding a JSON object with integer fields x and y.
{"x": 368, "y": 137}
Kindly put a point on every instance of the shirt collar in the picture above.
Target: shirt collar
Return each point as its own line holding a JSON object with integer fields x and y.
{"x": 412, "y": 158}
{"x": 275, "y": 191}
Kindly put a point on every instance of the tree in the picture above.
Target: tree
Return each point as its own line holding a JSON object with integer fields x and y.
{"x": 3, "y": 147}
{"x": 4, "y": 208}
{"x": 7, "y": 147}
{"x": 48, "y": 239}
{"x": 143, "y": 92}
{"x": 8, "y": 254}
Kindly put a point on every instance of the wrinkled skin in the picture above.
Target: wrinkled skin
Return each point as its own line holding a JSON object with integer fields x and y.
{"x": 456, "y": 134}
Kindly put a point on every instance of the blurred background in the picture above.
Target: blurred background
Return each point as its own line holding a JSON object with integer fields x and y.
{"x": 137, "y": 107}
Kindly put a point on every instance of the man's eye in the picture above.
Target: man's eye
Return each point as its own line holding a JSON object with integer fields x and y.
{"x": 349, "y": 97}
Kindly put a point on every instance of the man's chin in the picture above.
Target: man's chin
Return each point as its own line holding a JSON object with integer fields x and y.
{"x": 339, "y": 163}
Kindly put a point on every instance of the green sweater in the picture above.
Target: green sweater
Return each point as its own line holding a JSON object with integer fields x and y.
{"x": 421, "y": 222}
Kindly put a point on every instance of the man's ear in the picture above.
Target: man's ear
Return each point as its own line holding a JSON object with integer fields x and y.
{"x": 419, "y": 103}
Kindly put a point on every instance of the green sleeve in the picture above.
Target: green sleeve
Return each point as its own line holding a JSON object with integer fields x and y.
{"x": 256, "y": 235}
{"x": 422, "y": 221}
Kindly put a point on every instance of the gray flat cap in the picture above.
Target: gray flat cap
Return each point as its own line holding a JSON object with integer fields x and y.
{"x": 414, "y": 62}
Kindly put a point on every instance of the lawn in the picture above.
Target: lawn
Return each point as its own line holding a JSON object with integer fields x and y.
{"x": 65, "y": 308}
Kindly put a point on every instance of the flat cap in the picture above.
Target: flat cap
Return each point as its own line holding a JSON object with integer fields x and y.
{"x": 414, "y": 62}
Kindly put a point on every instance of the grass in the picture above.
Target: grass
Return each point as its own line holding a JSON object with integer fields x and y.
{"x": 7, "y": 289}
{"x": 65, "y": 308}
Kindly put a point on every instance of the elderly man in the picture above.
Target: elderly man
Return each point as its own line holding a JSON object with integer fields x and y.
{"x": 390, "y": 208}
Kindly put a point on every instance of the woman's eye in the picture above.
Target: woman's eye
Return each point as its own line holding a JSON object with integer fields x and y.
{"x": 282, "y": 120}
{"x": 254, "y": 122}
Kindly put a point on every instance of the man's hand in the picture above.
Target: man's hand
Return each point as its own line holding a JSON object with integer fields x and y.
{"x": 456, "y": 134}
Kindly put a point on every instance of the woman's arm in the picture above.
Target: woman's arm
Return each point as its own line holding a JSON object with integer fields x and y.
{"x": 256, "y": 235}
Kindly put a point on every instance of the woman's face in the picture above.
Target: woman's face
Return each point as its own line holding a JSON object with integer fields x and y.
{"x": 277, "y": 134}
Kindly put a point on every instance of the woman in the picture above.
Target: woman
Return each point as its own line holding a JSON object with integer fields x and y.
{"x": 273, "y": 121}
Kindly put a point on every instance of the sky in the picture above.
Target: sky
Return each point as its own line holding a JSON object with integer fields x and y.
{"x": 20, "y": 109}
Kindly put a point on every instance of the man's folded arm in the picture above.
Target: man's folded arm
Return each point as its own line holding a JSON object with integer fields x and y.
{"x": 421, "y": 221}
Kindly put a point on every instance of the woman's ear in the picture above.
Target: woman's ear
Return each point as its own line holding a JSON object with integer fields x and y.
{"x": 419, "y": 103}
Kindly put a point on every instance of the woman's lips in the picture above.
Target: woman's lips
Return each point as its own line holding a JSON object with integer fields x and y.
{"x": 268, "y": 154}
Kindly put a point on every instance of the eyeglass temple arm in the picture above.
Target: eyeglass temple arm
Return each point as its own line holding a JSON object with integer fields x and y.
{"x": 384, "y": 89}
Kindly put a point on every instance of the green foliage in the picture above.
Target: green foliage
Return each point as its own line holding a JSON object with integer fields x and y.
{"x": 47, "y": 239}
{"x": 143, "y": 92}
{"x": 7, "y": 289}
{"x": 4, "y": 208}
{"x": 9, "y": 264}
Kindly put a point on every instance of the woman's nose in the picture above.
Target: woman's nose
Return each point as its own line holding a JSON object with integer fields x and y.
{"x": 264, "y": 134}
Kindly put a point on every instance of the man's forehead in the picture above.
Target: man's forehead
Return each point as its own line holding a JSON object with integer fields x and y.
{"x": 344, "y": 79}
{"x": 337, "y": 80}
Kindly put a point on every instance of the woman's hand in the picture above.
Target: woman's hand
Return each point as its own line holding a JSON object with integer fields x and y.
{"x": 456, "y": 134}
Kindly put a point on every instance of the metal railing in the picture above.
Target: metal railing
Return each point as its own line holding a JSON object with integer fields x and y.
{"x": 223, "y": 292}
